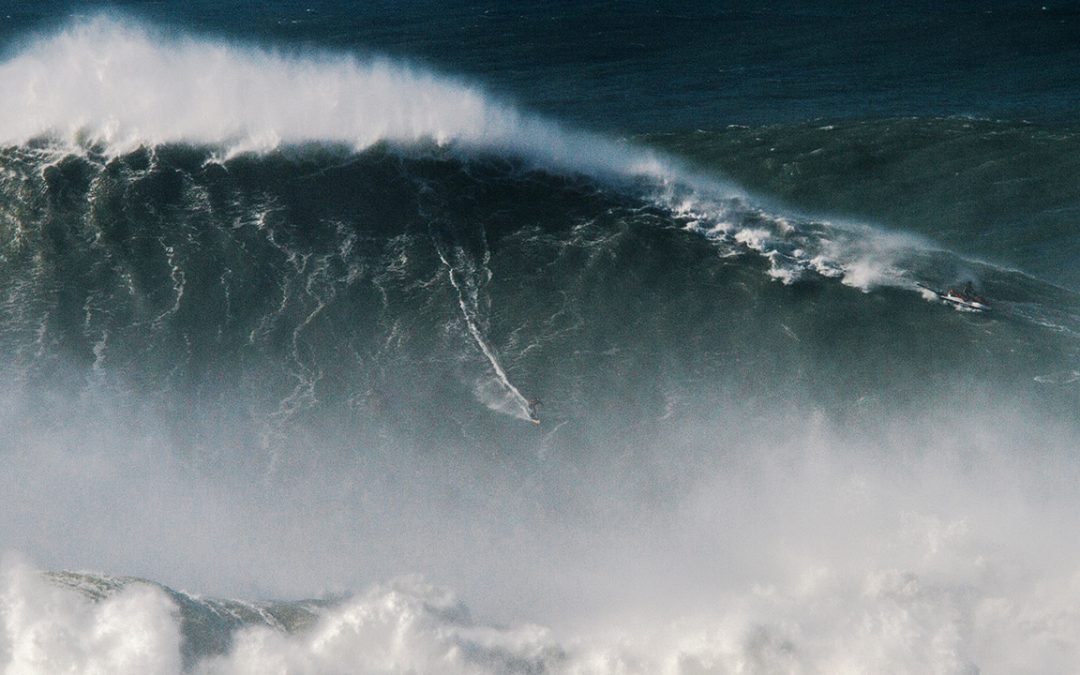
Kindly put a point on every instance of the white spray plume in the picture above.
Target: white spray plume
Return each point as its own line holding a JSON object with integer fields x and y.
{"x": 122, "y": 85}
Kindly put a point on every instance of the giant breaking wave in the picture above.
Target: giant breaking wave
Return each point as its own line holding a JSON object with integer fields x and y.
{"x": 271, "y": 322}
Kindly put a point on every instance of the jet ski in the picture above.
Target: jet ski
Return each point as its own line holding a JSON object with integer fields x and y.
{"x": 974, "y": 303}
{"x": 961, "y": 300}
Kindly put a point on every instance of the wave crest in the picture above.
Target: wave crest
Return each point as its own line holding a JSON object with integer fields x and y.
{"x": 116, "y": 83}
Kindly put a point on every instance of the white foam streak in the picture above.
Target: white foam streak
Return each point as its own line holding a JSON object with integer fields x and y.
{"x": 500, "y": 395}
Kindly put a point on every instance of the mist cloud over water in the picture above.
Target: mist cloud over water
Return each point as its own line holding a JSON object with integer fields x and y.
{"x": 804, "y": 557}
{"x": 272, "y": 323}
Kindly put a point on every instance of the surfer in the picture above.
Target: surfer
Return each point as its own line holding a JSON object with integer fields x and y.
{"x": 968, "y": 291}
{"x": 534, "y": 403}
{"x": 968, "y": 294}
{"x": 966, "y": 298}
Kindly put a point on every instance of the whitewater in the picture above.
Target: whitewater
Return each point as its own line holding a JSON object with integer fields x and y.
{"x": 272, "y": 319}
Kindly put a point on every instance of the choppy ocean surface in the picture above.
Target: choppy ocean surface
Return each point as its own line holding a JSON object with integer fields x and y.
{"x": 281, "y": 283}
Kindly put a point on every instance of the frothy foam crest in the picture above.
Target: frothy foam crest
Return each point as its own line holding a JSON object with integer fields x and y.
{"x": 118, "y": 84}
{"x": 857, "y": 255}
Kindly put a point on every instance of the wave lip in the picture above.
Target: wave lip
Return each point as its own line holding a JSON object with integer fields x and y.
{"x": 122, "y": 85}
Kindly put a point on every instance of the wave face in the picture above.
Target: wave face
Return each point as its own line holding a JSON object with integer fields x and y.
{"x": 275, "y": 326}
